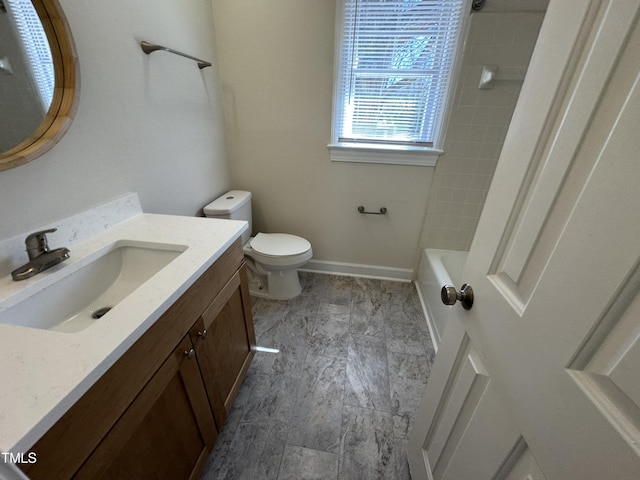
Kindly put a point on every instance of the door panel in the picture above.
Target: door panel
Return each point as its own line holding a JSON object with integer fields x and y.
{"x": 483, "y": 432}
{"x": 554, "y": 266}
{"x": 466, "y": 410}
{"x": 521, "y": 465}
{"x": 554, "y": 177}
{"x": 466, "y": 389}
{"x": 606, "y": 367}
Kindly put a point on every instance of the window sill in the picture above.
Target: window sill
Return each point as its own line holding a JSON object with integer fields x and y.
{"x": 390, "y": 155}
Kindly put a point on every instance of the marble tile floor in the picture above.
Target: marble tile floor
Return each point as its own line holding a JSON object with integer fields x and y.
{"x": 337, "y": 400}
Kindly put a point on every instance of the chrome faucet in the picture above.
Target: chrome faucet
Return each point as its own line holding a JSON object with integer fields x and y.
{"x": 40, "y": 257}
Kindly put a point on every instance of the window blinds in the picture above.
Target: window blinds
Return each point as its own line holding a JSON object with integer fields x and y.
{"x": 36, "y": 47}
{"x": 395, "y": 63}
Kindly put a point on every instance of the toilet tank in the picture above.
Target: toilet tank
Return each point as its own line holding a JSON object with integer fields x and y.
{"x": 233, "y": 205}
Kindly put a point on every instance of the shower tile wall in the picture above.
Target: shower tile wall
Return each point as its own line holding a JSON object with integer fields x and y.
{"x": 477, "y": 127}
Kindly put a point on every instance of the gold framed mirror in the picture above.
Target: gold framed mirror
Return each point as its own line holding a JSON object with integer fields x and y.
{"x": 63, "y": 101}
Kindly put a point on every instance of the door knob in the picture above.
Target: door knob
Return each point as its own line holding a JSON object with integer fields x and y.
{"x": 450, "y": 296}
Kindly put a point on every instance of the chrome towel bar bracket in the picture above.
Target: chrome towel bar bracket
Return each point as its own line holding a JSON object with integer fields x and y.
{"x": 383, "y": 211}
{"x": 152, "y": 47}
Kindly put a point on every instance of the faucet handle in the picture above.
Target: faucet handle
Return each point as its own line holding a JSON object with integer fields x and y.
{"x": 37, "y": 243}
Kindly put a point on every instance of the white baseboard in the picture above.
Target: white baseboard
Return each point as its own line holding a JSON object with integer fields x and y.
{"x": 359, "y": 270}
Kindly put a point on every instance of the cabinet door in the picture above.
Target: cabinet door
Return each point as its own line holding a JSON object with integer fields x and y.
{"x": 166, "y": 433}
{"x": 225, "y": 343}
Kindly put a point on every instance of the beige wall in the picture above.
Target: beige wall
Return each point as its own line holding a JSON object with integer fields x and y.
{"x": 276, "y": 64}
{"x": 145, "y": 124}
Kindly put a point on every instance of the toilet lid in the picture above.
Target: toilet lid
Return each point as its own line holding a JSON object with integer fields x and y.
{"x": 279, "y": 244}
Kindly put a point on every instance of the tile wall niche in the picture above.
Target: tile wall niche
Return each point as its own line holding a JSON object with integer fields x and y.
{"x": 477, "y": 126}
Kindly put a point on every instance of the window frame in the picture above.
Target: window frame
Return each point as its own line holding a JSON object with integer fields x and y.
{"x": 390, "y": 153}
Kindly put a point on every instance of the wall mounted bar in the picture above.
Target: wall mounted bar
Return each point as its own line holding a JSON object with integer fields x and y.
{"x": 383, "y": 211}
{"x": 152, "y": 47}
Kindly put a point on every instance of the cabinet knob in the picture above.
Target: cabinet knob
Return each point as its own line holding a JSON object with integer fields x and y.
{"x": 190, "y": 353}
{"x": 203, "y": 334}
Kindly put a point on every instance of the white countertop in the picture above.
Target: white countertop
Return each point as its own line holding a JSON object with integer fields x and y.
{"x": 43, "y": 372}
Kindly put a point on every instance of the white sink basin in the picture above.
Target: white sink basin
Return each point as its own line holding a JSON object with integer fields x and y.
{"x": 85, "y": 295}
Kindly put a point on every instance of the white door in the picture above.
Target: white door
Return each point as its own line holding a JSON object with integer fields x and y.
{"x": 540, "y": 379}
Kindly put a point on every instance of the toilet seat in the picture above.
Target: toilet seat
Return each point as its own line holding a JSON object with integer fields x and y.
{"x": 280, "y": 249}
{"x": 279, "y": 244}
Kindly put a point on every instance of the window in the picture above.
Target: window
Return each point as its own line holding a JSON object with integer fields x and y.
{"x": 394, "y": 63}
{"x": 36, "y": 47}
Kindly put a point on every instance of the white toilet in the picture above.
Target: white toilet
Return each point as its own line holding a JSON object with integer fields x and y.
{"x": 272, "y": 258}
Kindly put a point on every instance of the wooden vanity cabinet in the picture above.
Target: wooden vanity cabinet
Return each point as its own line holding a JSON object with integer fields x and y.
{"x": 167, "y": 432}
{"x": 225, "y": 341}
{"x": 150, "y": 415}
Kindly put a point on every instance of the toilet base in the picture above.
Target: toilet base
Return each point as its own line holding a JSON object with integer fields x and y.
{"x": 278, "y": 285}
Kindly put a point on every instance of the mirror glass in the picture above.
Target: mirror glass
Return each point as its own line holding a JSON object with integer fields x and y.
{"x": 37, "y": 79}
{"x": 26, "y": 64}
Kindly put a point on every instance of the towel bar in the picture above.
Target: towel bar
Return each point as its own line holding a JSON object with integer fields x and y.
{"x": 152, "y": 47}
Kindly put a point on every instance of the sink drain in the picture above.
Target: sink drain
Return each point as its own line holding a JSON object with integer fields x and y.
{"x": 100, "y": 312}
